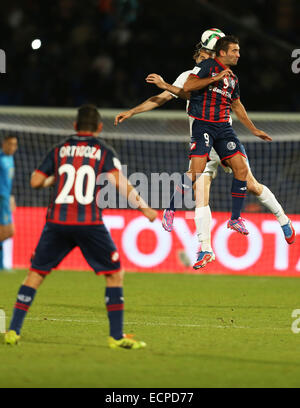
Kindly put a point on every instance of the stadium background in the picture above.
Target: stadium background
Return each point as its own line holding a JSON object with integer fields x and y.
{"x": 101, "y": 52}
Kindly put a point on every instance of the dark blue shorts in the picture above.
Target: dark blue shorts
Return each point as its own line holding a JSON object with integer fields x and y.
{"x": 58, "y": 240}
{"x": 219, "y": 135}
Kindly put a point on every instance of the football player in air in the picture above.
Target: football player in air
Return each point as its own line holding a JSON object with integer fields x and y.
{"x": 205, "y": 50}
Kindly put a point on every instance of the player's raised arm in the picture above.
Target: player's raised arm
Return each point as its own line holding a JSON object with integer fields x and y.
{"x": 127, "y": 190}
{"x": 195, "y": 83}
{"x": 160, "y": 83}
{"x": 148, "y": 105}
{"x": 241, "y": 113}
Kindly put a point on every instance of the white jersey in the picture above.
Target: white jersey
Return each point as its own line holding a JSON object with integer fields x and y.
{"x": 211, "y": 166}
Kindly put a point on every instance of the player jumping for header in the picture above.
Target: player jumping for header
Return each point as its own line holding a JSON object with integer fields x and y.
{"x": 74, "y": 219}
{"x": 205, "y": 50}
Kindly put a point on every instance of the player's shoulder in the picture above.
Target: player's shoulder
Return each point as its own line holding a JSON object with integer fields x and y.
{"x": 104, "y": 146}
{"x": 184, "y": 75}
{"x": 209, "y": 62}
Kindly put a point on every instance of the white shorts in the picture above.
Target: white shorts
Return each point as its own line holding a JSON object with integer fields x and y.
{"x": 211, "y": 168}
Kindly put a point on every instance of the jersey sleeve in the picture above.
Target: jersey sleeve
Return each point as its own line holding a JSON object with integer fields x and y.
{"x": 236, "y": 92}
{"x": 111, "y": 162}
{"x": 202, "y": 69}
{"x": 180, "y": 80}
{"x": 46, "y": 167}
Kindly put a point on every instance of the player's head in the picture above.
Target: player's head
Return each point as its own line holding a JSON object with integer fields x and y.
{"x": 228, "y": 49}
{"x": 88, "y": 119}
{"x": 206, "y": 47}
{"x": 202, "y": 54}
{"x": 9, "y": 144}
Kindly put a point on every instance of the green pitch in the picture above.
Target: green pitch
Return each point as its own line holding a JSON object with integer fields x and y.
{"x": 201, "y": 331}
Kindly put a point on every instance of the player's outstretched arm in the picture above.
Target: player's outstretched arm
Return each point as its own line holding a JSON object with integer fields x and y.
{"x": 40, "y": 180}
{"x": 127, "y": 190}
{"x": 242, "y": 115}
{"x": 194, "y": 83}
{"x": 148, "y": 105}
{"x": 160, "y": 83}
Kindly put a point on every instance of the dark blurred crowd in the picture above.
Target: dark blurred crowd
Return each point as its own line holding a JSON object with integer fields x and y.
{"x": 100, "y": 51}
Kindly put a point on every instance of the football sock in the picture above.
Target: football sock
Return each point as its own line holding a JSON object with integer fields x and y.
{"x": 1, "y": 255}
{"x": 182, "y": 188}
{"x": 238, "y": 192}
{"x": 268, "y": 199}
{"x": 115, "y": 309}
{"x": 203, "y": 221}
{"x": 24, "y": 299}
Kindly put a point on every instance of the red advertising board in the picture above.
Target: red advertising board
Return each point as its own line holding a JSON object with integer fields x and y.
{"x": 146, "y": 247}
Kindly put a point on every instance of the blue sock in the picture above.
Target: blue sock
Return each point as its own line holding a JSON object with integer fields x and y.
{"x": 115, "y": 309}
{"x": 182, "y": 188}
{"x": 24, "y": 299}
{"x": 1, "y": 255}
{"x": 238, "y": 192}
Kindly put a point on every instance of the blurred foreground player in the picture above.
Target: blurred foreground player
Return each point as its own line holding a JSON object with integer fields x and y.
{"x": 74, "y": 219}
{"x": 7, "y": 201}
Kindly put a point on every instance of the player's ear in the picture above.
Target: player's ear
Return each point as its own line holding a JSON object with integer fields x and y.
{"x": 100, "y": 127}
{"x": 75, "y": 125}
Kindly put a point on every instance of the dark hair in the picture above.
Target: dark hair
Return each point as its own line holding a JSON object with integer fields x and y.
{"x": 88, "y": 118}
{"x": 9, "y": 136}
{"x": 224, "y": 42}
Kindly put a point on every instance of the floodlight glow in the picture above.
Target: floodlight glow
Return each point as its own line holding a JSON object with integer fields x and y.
{"x": 36, "y": 44}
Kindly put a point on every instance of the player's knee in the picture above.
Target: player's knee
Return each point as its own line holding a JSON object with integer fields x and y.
{"x": 10, "y": 231}
{"x": 254, "y": 187}
{"x": 196, "y": 172}
{"x": 115, "y": 279}
{"x": 33, "y": 279}
{"x": 6, "y": 231}
{"x": 241, "y": 173}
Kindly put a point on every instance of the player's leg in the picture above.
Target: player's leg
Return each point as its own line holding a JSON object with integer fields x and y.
{"x": 203, "y": 213}
{"x": 232, "y": 154}
{"x": 100, "y": 252}
{"x": 53, "y": 246}
{"x": 268, "y": 200}
{"x": 114, "y": 300}
{"x": 238, "y": 164}
{"x": 203, "y": 222}
{"x": 6, "y": 231}
{"x": 201, "y": 143}
{"x": 24, "y": 300}
{"x": 6, "y": 225}
{"x": 187, "y": 183}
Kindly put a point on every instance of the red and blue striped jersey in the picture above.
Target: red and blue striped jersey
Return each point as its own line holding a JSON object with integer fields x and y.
{"x": 76, "y": 164}
{"x": 213, "y": 103}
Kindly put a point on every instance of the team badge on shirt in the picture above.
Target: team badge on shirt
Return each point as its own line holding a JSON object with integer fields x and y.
{"x": 231, "y": 145}
{"x": 115, "y": 256}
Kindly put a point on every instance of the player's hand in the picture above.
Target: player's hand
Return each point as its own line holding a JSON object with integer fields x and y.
{"x": 156, "y": 80}
{"x": 12, "y": 203}
{"x": 262, "y": 135}
{"x": 149, "y": 213}
{"x": 227, "y": 72}
{"x": 123, "y": 116}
